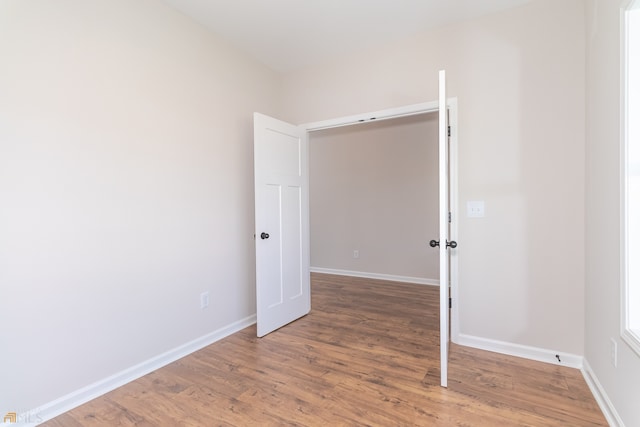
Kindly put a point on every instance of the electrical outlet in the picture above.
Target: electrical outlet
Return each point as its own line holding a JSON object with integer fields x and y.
{"x": 356, "y": 254}
{"x": 475, "y": 209}
{"x": 204, "y": 300}
{"x": 614, "y": 353}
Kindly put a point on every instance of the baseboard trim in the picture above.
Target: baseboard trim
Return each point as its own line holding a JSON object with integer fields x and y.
{"x": 518, "y": 350}
{"x": 607, "y": 408}
{"x": 391, "y": 277}
{"x": 90, "y": 392}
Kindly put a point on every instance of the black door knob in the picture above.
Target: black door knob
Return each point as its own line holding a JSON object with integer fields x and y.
{"x": 434, "y": 243}
{"x": 452, "y": 244}
{"x": 264, "y": 236}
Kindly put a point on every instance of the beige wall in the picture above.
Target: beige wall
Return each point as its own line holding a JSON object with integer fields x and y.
{"x": 374, "y": 188}
{"x": 126, "y": 180}
{"x": 520, "y": 80}
{"x": 622, "y": 384}
{"x": 126, "y": 189}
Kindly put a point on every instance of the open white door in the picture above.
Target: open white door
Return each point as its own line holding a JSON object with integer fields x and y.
{"x": 282, "y": 223}
{"x": 444, "y": 227}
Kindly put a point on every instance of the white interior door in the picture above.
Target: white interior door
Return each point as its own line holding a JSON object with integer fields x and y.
{"x": 444, "y": 227}
{"x": 282, "y": 223}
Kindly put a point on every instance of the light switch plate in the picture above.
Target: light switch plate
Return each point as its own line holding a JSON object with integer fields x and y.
{"x": 475, "y": 209}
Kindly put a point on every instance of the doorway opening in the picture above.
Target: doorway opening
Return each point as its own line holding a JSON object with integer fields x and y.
{"x": 350, "y": 251}
{"x": 373, "y": 197}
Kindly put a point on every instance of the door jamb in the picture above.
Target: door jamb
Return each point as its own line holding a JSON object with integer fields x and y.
{"x": 412, "y": 110}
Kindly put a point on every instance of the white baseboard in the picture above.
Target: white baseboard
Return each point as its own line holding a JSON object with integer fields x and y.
{"x": 518, "y": 350}
{"x": 59, "y": 406}
{"x": 92, "y": 391}
{"x": 391, "y": 277}
{"x": 607, "y": 408}
{"x": 549, "y": 356}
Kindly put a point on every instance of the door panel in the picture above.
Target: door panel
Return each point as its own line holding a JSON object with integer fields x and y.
{"x": 443, "y": 158}
{"x": 292, "y": 243}
{"x": 282, "y": 225}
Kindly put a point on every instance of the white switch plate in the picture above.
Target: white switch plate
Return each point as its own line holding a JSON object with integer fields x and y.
{"x": 475, "y": 209}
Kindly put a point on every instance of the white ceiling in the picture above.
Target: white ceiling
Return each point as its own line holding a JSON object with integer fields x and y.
{"x": 291, "y": 34}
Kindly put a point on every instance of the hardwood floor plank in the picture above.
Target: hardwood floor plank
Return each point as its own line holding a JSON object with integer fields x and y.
{"x": 367, "y": 354}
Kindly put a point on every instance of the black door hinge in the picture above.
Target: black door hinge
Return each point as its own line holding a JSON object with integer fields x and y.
{"x": 448, "y": 130}
{"x": 449, "y": 217}
{"x": 449, "y": 302}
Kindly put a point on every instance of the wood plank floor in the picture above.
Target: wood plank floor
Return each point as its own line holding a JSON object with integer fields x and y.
{"x": 367, "y": 354}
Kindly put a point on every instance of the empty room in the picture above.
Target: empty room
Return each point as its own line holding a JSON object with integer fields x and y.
{"x": 143, "y": 270}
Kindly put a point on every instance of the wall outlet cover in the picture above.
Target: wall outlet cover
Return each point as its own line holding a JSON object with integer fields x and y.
{"x": 475, "y": 209}
{"x": 204, "y": 300}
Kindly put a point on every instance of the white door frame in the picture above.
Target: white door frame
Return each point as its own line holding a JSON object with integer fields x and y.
{"x": 412, "y": 110}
